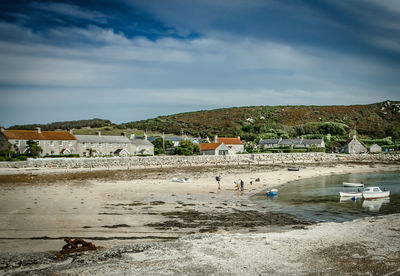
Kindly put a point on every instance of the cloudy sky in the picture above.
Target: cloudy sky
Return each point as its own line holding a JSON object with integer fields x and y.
{"x": 129, "y": 60}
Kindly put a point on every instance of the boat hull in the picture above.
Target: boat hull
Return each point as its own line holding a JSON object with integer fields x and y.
{"x": 350, "y": 194}
{"x": 347, "y": 184}
{"x": 375, "y": 195}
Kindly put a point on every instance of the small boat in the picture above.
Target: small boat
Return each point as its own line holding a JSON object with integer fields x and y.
{"x": 181, "y": 180}
{"x": 374, "y": 192}
{"x": 350, "y": 184}
{"x": 272, "y": 192}
{"x": 351, "y": 194}
{"x": 293, "y": 169}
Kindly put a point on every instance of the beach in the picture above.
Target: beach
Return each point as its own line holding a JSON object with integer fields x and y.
{"x": 144, "y": 223}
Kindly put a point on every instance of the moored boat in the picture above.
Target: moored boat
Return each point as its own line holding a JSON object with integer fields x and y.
{"x": 272, "y": 192}
{"x": 374, "y": 192}
{"x": 181, "y": 180}
{"x": 350, "y": 184}
{"x": 293, "y": 169}
{"x": 351, "y": 194}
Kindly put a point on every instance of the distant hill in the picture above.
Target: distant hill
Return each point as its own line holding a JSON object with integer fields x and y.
{"x": 377, "y": 120}
{"x": 66, "y": 125}
{"x": 374, "y": 121}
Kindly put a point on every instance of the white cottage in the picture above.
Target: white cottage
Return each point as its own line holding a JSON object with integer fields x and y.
{"x": 214, "y": 149}
{"x": 375, "y": 148}
{"x": 353, "y": 146}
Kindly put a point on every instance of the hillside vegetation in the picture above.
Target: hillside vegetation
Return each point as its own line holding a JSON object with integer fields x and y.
{"x": 370, "y": 122}
{"x": 374, "y": 121}
{"x": 66, "y": 125}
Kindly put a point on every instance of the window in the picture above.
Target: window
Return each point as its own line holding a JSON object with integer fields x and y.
{"x": 100, "y": 145}
{"x": 60, "y": 143}
{"x": 52, "y": 144}
{"x": 92, "y": 144}
{"x": 17, "y": 142}
{"x": 70, "y": 143}
{"x": 52, "y": 152}
{"x": 83, "y": 144}
{"x": 84, "y": 153}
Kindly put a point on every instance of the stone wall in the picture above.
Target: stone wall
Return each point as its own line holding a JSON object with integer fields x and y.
{"x": 203, "y": 160}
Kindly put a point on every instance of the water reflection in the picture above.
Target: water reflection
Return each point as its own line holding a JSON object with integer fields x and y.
{"x": 374, "y": 205}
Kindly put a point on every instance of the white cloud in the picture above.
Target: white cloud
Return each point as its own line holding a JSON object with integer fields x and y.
{"x": 72, "y": 11}
{"x": 220, "y": 70}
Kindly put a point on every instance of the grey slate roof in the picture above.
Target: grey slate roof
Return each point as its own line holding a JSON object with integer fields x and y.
{"x": 101, "y": 139}
{"x": 141, "y": 142}
{"x": 289, "y": 142}
{"x": 269, "y": 141}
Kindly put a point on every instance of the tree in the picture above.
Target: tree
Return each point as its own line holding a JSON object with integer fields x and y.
{"x": 160, "y": 145}
{"x": 187, "y": 147}
{"x": 33, "y": 149}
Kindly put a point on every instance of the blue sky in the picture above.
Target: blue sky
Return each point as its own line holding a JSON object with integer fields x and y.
{"x": 129, "y": 60}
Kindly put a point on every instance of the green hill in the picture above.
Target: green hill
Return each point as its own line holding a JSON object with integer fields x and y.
{"x": 375, "y": 121}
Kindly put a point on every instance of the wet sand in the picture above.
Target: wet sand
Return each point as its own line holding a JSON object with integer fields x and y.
{"x": 121, "y": 210}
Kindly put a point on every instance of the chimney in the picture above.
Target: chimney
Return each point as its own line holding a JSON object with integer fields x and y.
{"x": 216, "y": 138}
{"x": 39, "y": 130}
{"x": 123, "y": 134}
{"x": 70, "y": 131}
{"x": 99, "y": 133}
{"x": 2, "y": 129}
{"x": 354, "y": 137}
{"x": 145, "y": 136}
{"x": 239, "y": 137}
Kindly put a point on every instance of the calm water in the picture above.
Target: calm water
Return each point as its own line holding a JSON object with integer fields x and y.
{"x": 318, "y": 198}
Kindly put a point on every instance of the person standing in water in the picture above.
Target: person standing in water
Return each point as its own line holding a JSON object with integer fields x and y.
{"x": 218, "y": 178}
{"x": 241, "y": 184}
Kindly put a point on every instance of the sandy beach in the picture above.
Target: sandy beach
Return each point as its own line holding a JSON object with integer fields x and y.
{"x": 146, "y": 224}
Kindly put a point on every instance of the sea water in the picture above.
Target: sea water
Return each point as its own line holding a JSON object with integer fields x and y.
{"x": 318, "y": 198}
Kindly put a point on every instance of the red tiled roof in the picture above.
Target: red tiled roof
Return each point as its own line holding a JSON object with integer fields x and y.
{"x": 34, "y": 135}
{"x": 230, "y": 141}
{"x": 209, "y": 146}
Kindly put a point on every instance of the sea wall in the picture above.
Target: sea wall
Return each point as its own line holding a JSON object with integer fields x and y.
{"x": 203, "y": 160}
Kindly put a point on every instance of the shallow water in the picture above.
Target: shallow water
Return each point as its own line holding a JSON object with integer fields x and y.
{"x": 318, "y": 198}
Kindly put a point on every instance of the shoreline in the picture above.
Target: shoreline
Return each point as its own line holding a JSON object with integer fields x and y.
{"x": 126, "y": 210}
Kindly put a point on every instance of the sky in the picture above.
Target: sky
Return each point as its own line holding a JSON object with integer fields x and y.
{"x": 129, "y": 60}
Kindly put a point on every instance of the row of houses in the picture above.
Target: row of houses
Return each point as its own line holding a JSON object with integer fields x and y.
{"x": 65, "y": 142}
{"x": 352, "y": 146}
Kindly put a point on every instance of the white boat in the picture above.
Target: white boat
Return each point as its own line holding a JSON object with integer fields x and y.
{"x": 350, "y": 184}
{"x": 374, "y": 192}
{"x": 181, "y": 180}
{"x": 351, "y": 194}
